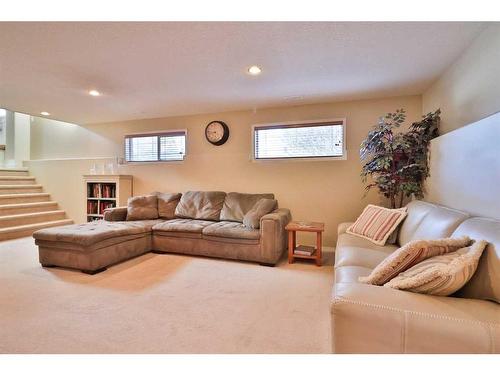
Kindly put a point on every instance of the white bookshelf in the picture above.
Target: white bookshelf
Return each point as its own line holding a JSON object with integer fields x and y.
{"x": 104, "y": 191}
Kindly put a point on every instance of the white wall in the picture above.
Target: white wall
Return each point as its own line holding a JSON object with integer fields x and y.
{"x": 56, "y": 139}
{"x": 465, "y": 168}
{"x": 470, "y": 88}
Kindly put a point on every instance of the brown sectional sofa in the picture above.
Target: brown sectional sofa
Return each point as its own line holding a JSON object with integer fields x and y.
{"x": 91, "y": 247}
{"x": 375, "y": 319}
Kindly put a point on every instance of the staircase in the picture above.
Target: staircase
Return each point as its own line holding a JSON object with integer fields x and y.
{"x": 24, "y": 207}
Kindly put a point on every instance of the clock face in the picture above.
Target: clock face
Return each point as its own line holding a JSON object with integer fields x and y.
{"x": 217, "y": 133}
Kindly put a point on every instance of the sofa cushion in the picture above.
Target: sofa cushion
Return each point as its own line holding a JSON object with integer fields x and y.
{"x": 106, "y": 243}
{"x": 230, "y": 229}
{"x": 358, "y": 256}
{"x": 236, "y": 205}
{"x": 88, "y": 234}
{"x": 203, "y": 205}
{"x": 447, "y": 307}
{"x": 441, "y": 275}
{"x": 377, "y": 223}
{"x": 485, "y": 284}
{"x": 181, "y": 226}
{"x": 167, "y": 202}
{"x": 357, "y": 251}
{"x": 350, "y": 274}
{"x": 143, "y": 207}
{"x": 428, "y": 221}
{"x": 372, "y": 319}
{"x": 261, "y": 208}
{"x": 411, "y": 254}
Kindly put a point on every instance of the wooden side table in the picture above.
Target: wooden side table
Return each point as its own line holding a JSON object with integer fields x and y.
{"x": 301, "y": 226}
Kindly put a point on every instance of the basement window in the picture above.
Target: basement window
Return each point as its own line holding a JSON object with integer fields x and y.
{"x": 155, "y": 147}
{"x": 321, "y": 139}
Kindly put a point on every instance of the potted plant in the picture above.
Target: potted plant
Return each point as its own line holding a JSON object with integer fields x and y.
{"x": 397, "y": 163}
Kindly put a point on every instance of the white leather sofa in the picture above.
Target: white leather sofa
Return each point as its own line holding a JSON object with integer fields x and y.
{"x": 375, "y": 319}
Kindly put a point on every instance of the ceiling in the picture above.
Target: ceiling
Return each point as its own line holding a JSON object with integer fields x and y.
{"x": 147, "y": 70}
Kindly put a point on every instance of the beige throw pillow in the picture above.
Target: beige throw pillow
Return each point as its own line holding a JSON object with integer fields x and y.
{"x": 143, "y": 207}
{"x": 261, "y": 208}
{"x": 236, "y": 205}
{"x": 377, "y": 223}
{"x": 441, "y": 275}
{"x": 167, "y": 202}
{"x": 202, "y": 205}
{"x": 410, "y": 254}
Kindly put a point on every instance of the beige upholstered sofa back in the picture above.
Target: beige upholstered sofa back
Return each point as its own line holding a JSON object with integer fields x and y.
{"x": 429, "y": 221}
{"x": 217, "y": 205}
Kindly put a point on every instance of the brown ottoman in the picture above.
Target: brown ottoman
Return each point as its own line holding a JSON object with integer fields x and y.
{"x": 91, "y": 247}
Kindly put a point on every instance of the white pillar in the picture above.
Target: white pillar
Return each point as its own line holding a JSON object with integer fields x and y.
{"x": 17, "y": 139}
{"x": 22, "y": 138}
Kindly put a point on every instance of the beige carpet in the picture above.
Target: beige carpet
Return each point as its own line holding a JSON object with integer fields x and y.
{"x": 162, "y": 304}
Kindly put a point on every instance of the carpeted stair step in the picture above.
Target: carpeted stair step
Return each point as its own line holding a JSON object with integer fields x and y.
{"x": 27, "y": 230}
{"x": 26, "y": 208}
{"x": 20, "y": 189}
{"x": 14, "y": 172}
{"x": 24, "y": 198}
{"x": 17, "y": 180}
{"x": 31, "y": 218}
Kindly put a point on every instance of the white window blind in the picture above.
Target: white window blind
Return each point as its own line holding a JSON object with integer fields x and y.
{"x": 165, "y": 146}
{"x": 310, "y": 140}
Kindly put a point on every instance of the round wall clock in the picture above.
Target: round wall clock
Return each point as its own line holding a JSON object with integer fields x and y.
{"x": 217, "y": 133}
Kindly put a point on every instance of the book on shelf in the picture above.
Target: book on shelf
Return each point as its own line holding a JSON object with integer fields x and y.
{"x": 98, "y": 190}
{"x": 92, "y": 207}
{"x": 108, "y": 191}
{"x": 304, "y": 250}
{"x": 93, "y": 190}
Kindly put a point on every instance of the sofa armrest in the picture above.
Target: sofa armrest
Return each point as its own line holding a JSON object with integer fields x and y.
{"x": 342, "y": 228}
{"x": 273, "y": 234}
{"x": 115, "y": 214}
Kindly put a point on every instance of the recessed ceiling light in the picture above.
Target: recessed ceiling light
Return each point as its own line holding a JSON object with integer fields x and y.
{"x": 94, "y": 93}
{"x": 254, "y": 70}
{"x": 45, "y": 113}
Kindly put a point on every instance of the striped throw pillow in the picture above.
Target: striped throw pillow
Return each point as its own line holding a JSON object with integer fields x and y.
{"x": 410, "y": 254}
{"x": 441, "y": 275}
{"x": 377, "y": 223}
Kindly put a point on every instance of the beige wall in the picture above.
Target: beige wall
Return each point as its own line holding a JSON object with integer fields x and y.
{"x": 328, "y": 191}
{"x": 469, "y": 90}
